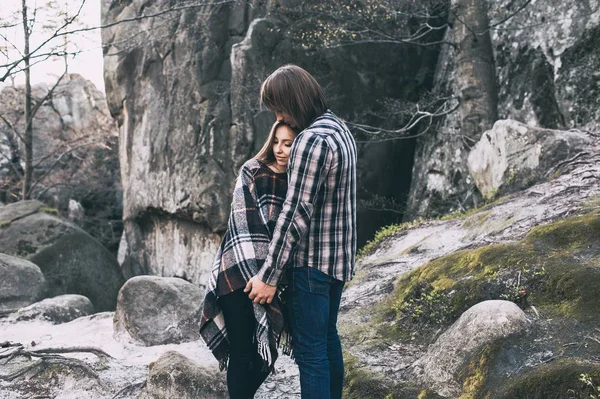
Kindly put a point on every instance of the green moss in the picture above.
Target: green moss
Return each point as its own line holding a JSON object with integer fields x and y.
{"x": 384, "y": 233}
{"x": 555, "y": 268}
{"x": 359, "y": 383}
{"x": 49, "y": 210}
{"x": 476, "y": 373}
{"x": 477, "y": 220}
{"x": 559, "y": 379}
{"x": 4, "y": 224}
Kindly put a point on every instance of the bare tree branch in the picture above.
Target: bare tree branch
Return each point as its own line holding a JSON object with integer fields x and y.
{"x": 415, "y": 119}
{"x": 54, "y": 164}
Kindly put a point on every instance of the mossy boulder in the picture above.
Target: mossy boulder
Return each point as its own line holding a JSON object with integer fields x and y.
{"x": 567, "y": 378}
{"x": 175, "y": 376}
{"x": 553, "y": 274}
{"x": 21, "y": 283}
{"x": 71, "y": 260}
{"x": 360, "y": 383}
{"x": 449, "y": 359}
{"x": 556, "y": 268}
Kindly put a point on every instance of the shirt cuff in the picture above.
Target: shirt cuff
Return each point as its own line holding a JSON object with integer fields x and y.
{"x": 270, "y": 275}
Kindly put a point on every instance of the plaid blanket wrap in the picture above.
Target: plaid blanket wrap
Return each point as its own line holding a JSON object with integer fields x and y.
{"x": 257, "y": 201}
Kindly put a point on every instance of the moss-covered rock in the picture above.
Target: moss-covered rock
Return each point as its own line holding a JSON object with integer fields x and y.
{"x": 556, "y": 268}
{"x": 359, "y": 383}
{"x": 567, "y": 378}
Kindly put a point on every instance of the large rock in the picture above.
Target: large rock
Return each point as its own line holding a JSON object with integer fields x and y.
{"x": 71, "y": 260}
{"x": 547, "y": 77}
{"x": 513, "y": 156}
{"x": 57, "y": 310}
{"x": 73, "y": 126}
{"x": 185, "y": 97}
{"x": 546, "y": 73}
{"x": 158, "y": 310}
{"x": 175, "y": 376}
{"x": 484, "y": 324}
{"x": 21, "y": 283}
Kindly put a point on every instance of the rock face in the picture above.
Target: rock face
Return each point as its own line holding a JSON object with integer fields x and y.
{"x": 57, "y": 310}
{"x": 158, "y": 310}
{"x": 22, "y": 283}
{"x": 185, "y": 97}
{"x": 513, "y": 156}
{"x": 538, "y": 248}
{"x": 71, "y": 260}
{"x": 484, "y": 324}
{"x": 175, "y": 376}
{"x": 75, "y": 148}
{"x": 546, "y": 59}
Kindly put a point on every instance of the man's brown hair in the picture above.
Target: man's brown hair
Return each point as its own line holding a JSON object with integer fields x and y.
{"x": 292, "y": 90}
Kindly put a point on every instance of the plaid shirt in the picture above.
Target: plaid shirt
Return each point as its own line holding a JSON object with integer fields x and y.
{"x": 317, "y": 225}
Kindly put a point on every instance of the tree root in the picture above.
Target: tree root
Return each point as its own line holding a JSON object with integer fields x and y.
{"x": 43, "y": 363}
{"x": 20, "y": 351}
{"x": 129, "y": 388}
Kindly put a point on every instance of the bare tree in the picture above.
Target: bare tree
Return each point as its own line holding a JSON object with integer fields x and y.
{"x": 475, "y": 68}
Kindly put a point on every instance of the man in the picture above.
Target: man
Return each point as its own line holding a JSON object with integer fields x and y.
{"x": 315, "y": 237}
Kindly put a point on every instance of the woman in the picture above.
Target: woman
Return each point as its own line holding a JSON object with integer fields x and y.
{"x": 243, "y": 336}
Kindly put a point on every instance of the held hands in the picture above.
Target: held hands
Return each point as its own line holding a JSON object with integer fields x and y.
{"x": 260, "y": 292}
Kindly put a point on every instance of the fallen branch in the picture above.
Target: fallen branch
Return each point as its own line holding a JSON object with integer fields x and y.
{"x": 45, "y": 362}
{"x": 76, "y": 349}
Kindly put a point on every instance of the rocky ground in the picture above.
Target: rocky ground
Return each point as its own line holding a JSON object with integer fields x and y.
{"x": 396, "y": 334}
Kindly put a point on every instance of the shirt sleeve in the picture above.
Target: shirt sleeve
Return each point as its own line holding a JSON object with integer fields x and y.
{"x": 309, "y": 164}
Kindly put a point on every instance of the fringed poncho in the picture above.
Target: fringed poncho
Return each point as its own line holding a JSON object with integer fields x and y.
{"x": 257, "y": 201}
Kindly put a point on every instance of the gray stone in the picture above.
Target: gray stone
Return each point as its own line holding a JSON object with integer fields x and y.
{"x": 486, "y": 323}
{"x": 21, "y": 283}
{"x": 58, "y": 310}
{"x": 513, "y": 156}
{"x": 73, "y": 124}
{"x": 546, "y": 55}
{"x": 185, "y": 94}
{"x": 71, "y": 260}
{"x": 175, "y": 376}
{"x": 158, "y": 310}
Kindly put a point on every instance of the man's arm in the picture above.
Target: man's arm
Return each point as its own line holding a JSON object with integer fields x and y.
{"x": 310, "y": 162}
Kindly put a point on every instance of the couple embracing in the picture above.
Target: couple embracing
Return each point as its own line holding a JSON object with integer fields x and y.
{"x": 289, "y": 247}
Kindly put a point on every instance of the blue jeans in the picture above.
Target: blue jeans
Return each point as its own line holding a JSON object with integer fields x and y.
{"x": 313, "y": 305}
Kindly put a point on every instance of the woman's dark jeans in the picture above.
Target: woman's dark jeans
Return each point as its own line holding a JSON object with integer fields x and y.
{"x": 245, "y": 372}
{"x": 313, "y": 305}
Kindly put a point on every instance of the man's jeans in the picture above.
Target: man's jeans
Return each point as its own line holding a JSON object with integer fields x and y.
{"x": 314, "y": 301}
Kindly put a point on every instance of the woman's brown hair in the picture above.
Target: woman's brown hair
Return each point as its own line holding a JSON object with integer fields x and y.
{"x": 292, "y": 90}
{"x": 266, "y": 154}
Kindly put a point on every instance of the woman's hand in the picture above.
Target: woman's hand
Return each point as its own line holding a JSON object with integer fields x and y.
{"x": 260, "y": 292}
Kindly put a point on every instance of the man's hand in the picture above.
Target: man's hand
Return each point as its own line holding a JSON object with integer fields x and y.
{"x": 260, "y": 292}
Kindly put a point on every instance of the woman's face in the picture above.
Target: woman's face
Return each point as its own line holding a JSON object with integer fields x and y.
{"x": 282, "y": 145}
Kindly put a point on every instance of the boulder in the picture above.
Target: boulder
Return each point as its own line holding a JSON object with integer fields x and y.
{"x": 545, "y": 78}
{"x": 484, "y": 324}
{"x": 186, "y": 99}
{"x": 175, "y": 376}
{"x": 58, "y": 310}
{"x": 72, "y": 124}
{"x": 513, "y": 156}
{"x": 158, "y": 310}
{"x": 71, "y": 260}
{"x": 21, "y": 283}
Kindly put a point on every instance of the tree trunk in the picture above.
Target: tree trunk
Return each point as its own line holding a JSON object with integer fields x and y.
{"x": 28, "y": 136}
{"x": 476, "y": 76}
